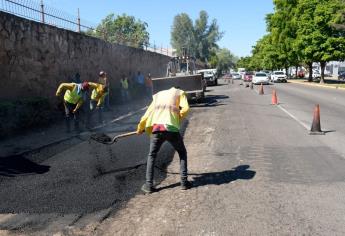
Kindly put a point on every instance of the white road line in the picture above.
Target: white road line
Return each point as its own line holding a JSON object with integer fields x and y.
{"x": 119, "y": 118}
{"x": 293, "y": 117}
{"x": 128, "y": 115}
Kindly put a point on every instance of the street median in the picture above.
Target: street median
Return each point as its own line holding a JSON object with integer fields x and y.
{"x": 333, "y": 84}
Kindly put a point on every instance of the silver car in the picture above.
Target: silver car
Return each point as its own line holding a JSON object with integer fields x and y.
{"x": 236, "y": 75}
{"x": 260, "y": 78}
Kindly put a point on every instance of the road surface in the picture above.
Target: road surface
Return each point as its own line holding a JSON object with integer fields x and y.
{"x": 254, "y": 167}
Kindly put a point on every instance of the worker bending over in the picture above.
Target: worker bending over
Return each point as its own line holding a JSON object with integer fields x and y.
{"x": 98, "y": 94}
{"x": 73, "y": 99}
{"x": 162, "y": 120}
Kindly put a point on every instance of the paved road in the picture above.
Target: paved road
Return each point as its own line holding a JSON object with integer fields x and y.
{"x": 299, "y": 101}
{"x": 255, "y": 171}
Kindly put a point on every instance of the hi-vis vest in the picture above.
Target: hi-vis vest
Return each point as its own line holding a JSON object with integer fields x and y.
{"x": 72, "y": 96}
{"x": 124, "y": 84}
{"x": 165, "y": 109}
{"x": 97, "y": 92}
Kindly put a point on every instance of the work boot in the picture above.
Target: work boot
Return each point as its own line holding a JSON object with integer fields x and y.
{"x": 186, "y": 185}
{"x": 148, "y": 189}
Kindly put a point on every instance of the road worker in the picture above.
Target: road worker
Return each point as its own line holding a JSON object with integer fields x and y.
{"x": 73, "y": 99}
{"x": 103, "y": 79}
{"x": 162, "y": 121}
{"x": 124, "y": 89}
{"x": 98, "y": 94}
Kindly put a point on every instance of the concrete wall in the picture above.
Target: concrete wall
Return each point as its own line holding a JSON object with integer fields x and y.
{"x": 35, "y": 58}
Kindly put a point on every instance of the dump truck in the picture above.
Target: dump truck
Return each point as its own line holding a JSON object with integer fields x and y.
{"x": 181, "y": 73}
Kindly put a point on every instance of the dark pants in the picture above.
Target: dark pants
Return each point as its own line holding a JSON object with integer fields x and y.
{"x": 156, "y": 141}
{"x": 93, "y": 108}
{"x": 69, "y": 107}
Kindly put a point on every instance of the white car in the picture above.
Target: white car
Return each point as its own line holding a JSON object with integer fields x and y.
{"x": 316, "y": 74}
{"x": 260, "y": 78}
{"x": 278, "y": 76}
{"x": 236, "y": 75}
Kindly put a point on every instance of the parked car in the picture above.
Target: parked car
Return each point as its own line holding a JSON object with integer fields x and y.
{"x": 316, "y": 74}
{"x": 236, "y": 75}
{"x": 341, "y": 75}
{"x": 260, "y": 78}
{"x": 268, "y": 73}
{"x": 278, "y": 76}
{"x": 248, "y": 76}
{"x": 300, "y": 74}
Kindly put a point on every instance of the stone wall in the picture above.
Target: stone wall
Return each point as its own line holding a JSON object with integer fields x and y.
{"x": 35, "y": 58}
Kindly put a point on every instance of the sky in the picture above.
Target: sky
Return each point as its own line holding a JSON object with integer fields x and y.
{"x": 242, "y": 21}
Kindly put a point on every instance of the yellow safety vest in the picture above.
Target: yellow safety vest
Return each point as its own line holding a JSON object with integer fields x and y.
{"x": 71, "y": 96}
{"x": 98, "y": 93}
{"x": 165, "y": 109}
{"x": 124, "y": 84}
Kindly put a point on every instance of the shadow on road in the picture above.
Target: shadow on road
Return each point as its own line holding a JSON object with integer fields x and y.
{"x": 218, "y": 178}
{"x": 18, "y": 165}
{"x": 224, "y": 177}
{"x": 210, "y": 101}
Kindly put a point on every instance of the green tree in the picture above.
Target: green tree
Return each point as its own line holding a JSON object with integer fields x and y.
{"x": 182, "y": 34}
{"x": 123, "y": 29}
{"x": 199, "y": 39}
{"x": 206, "y": 36}
{"x": 245, "y": 62}
{"x": 317, "y": 37}
{"x": 223, "y": 60}
{"x": 283, "y": 27}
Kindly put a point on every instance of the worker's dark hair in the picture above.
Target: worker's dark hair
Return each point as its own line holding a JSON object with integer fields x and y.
{"x": 85, "y": 85}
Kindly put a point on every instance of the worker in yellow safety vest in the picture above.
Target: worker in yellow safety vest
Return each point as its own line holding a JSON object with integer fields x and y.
{"x": 73, "y": 100}
{"x": 98, "y": 94}
{"x": 162, "y": 120}
{"x": 124, "y": 89}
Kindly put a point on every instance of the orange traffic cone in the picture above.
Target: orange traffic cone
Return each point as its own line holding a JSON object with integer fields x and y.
{"x": 274, "y": 97}
{"x": 261, "y": 90}
{"x": 316, "y": 125}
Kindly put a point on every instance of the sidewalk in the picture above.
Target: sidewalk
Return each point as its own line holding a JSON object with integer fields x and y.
{"x": 42, "y": 137}
{"x": 333, "y": 85}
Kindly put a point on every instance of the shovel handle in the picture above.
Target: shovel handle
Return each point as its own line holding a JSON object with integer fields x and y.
{"x": 124, "y": 135}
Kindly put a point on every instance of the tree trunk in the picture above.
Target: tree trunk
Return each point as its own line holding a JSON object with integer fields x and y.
{"x": 287, "y": 72}
{"x": 310, "y": 66}
{"x": 323, "y": 65}
{"x": 296, "y": 72}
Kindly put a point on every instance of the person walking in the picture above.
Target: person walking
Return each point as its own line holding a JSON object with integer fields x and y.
{"x": 162, "y": 121}
{"x": 98, "y": 94}
{"x": 73, "y": 99}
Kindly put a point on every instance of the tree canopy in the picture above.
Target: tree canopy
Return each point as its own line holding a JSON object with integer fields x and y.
{"x": 122, "y": 29}
{"x": 301, "y": 32}
{"x": 199, "y": 38}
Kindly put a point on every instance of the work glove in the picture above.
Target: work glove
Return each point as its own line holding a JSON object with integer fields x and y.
{"x": 139, "y": 131}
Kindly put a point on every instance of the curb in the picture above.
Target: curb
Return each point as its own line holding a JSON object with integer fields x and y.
{"x": 315, "y": 85}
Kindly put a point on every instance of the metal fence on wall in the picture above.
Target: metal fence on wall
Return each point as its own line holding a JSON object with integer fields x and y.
{"x": 40, "y": 12}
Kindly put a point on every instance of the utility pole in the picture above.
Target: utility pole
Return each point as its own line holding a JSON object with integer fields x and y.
{"x": 42, "y": 12}
{"x": 78, "y": 21}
